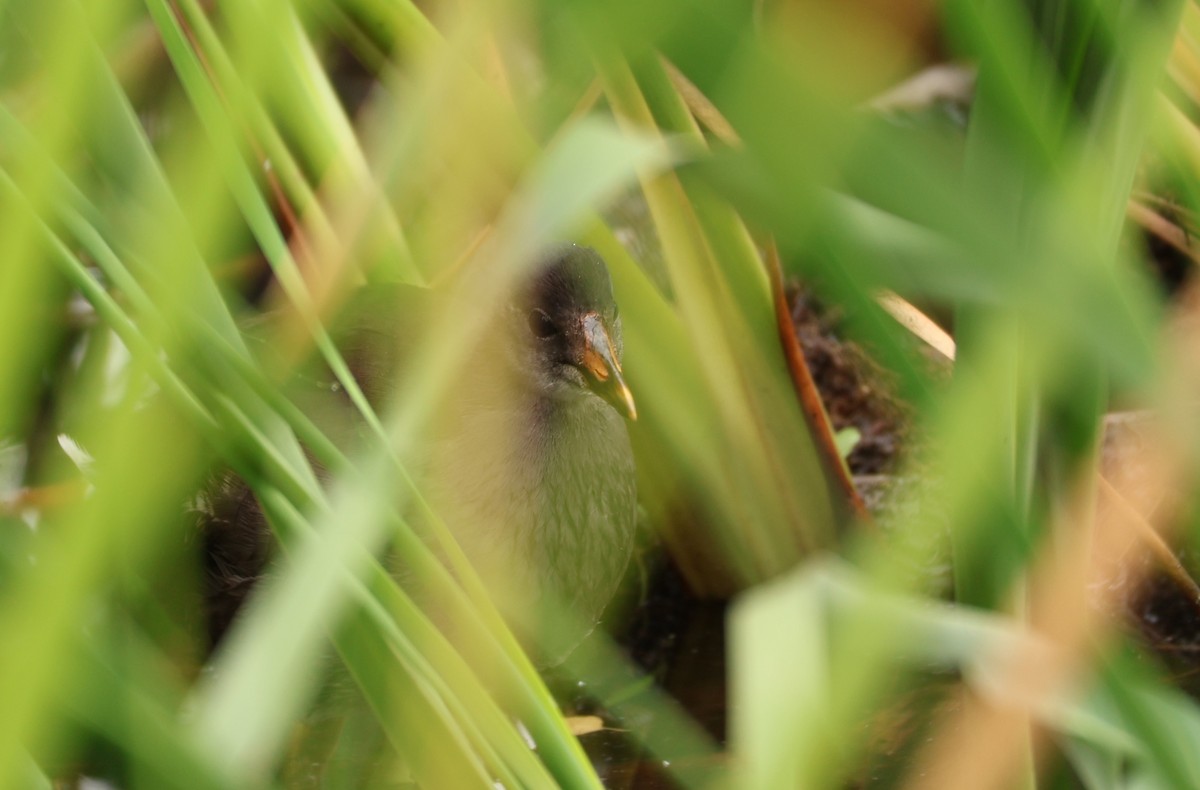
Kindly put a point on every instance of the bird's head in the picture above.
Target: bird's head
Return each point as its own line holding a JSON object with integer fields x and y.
{"x": 570, "y": 328}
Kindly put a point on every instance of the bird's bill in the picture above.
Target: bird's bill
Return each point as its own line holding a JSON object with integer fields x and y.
{"x": 600, "y": 363}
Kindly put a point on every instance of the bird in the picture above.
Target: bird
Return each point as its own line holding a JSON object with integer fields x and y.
{"x": 527, "y": 458}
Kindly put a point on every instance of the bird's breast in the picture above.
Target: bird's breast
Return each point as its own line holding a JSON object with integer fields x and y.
{"x": 542, "y": 498}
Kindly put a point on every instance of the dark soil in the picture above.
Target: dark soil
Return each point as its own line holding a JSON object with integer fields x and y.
{"x": 856, "y": 391}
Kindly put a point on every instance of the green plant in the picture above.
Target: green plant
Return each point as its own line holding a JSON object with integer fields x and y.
{"x": 147, "y": 153}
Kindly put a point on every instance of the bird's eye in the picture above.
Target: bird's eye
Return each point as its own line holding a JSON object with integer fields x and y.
{"x": 541, "y": 325}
